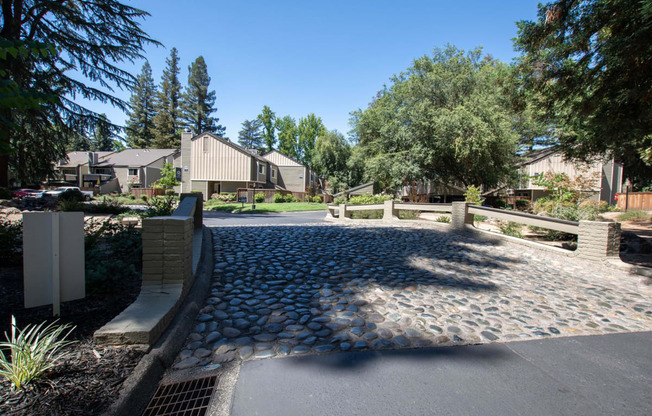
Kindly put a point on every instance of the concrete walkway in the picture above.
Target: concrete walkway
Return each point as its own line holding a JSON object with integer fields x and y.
{"x": 595, "y": 375}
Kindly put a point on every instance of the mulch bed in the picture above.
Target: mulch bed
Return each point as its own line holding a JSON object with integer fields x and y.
{"x": 90, "y": 377}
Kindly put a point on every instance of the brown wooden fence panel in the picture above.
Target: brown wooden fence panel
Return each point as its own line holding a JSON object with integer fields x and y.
{"x": 148, "y": 192}
{"x": 637, "y": 200}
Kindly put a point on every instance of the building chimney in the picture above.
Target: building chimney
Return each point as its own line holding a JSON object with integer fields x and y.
{"x": 186, "y": 139}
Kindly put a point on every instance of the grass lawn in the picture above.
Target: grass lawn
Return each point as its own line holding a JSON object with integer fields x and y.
{"x": 265, "y": 207}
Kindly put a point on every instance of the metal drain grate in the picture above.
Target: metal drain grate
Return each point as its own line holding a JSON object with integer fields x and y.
{"x": 188, "y": 398}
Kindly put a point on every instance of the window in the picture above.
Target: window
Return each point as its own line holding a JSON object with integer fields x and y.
{"x": 273, "y": 173}
{"x": 205, "y": 143}
{"x": 261, "y": 168}
{"x": 133, "y": 172}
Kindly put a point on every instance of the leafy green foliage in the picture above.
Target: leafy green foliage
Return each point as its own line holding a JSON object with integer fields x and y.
{"x": 93, "y": 39}
{"x": 168, "y": 177}
{"x": 446, "y": 118}
{"x": 71, "y": 195}
{"x": 317, "y": 199}
{"x": 634, "y": 215}
{"x": 278, "y": 198}
{"x": 340, "y": 200}
{"x": 511, "y": 228}
{"x": 167, "y": 119}
{"x": 140, "y": 125}
{"x": 267, "y": 119}
{"x": 288, "y": 198}
{"x": 259, "y": 197}
{"x": 310, "y": 127}
{"x": 522, "y": 204}
{"x": 369, "y": 199}
{"x": 287, "y": 136}
{"x": 32, "y": 351}
{"x": 330, "y": 159}
{"x": 587, "y": 64}
{"x": 472, "y": 195}
{"x": 250, "y": 136}
{"x": 103, "y": 137}
{"x": 443, "y": 218}
{"x": 159, "y": 206}
{"x": 11, "y": 241}
{"x": 198, "y": 103}
{"x": 113, "y": 252}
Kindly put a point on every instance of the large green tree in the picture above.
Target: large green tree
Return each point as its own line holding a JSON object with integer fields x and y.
{"x": 287, "y": 136}
{"x": 444, "y": 119}
{"x": 250, "y": 136}
{"x": 140, "y": 125}
{"x": 330, "y": 159}
{"x": 103, "y": 138}
{"x": 590, "y": 62}
{"x": 309, "y": 128}
{"x": 267, "y": 119}
{"x": 198, "y": 103}
{"x": 167, "y": 121}
{"x": 88, "y": 40}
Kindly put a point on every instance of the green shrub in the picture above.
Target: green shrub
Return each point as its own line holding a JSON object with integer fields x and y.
{"x": 159, "y": 206}
{"x": 522, "y": 204}
{"x": 259, "y": 197}
{"x": 479, "y": 218}
{"x": 278, "y": 198}
{"x": 511, "y": 228}
{"x": 105, "y": 207}
{"x": 373, "y": 214}
{"x": 317, "y": 199}
{"x": 143, "y": 197}
{"x": 32, "y": 351}
{"x": 408, "y": 215}
{"x": 499, "y": 203}
{"x": 11, "y": 241}
{"x": 71, "y": 195}
{"x": 67, "y": 205}
{"x": 6, "y": 193}
{"x": 289, "y": 198}
{"x": 473, "y": 195}
{"x": 132, "y": 197}
{"x": 224, "y": 196}
{"x": 370, "y": 199}
{"x": 443, "y": 218}
{"x": 339, "y": 200}
{"x": 634, "y": 215}
{"x": 296, "y": 199}
{"x": 170, "y": 192}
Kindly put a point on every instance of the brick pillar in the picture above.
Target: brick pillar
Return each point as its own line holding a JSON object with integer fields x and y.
{"x": 598, "y": 240}
{"x": 343, "y": 213}
{"x": 167, "y": 251}
{"x": 389, "y": 212}
{"x": 460, "y": 216}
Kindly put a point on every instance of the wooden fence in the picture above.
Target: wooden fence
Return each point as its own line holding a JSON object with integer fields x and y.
{"x": 635, "y": 200}
{"x": 148, "y": 192}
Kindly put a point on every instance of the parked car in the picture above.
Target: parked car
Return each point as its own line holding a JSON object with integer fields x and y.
{"x": 54, "y": 193}
{"x": 22, "y": 193}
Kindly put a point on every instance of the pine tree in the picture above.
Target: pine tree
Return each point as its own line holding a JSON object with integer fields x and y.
{"x": 267, "y": 119}
{"x": 250, "y": 137}
{"x": 60, "y": 51}
{"x": 198, "y": 103}
{"x": 103, "y": 137}
{"x": 167, "y": 121}
{"x": 140, "y": 126}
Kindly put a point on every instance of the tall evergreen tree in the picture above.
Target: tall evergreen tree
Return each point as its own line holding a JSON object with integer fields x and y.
{"x": 140, "y": 125}
{"x": 287, "y": 136}
{"x": 167, "y": 121}
{"x": 310, "y": 127}
{"x": 88, "y": 37}
{"x": 198, "y": 103}
{"x": 250, "y": 136}
{"x": 267, "y": 119}
{"x": 103, "y": 137}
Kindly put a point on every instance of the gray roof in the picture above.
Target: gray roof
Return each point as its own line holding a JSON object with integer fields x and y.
{"x": 536, "y": 155}
{"x": 136, "y": 157}
{"x": 80, "y": 158}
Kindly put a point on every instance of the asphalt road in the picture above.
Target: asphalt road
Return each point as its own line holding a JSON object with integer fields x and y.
{"x": 221, "y": 218}
{"x": 593, "y": 375}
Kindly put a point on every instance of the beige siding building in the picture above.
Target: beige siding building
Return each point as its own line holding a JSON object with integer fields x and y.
{"x": 211, "y": 164}
{"x": 607, "y": 175}
{"x": 292, "y": 175}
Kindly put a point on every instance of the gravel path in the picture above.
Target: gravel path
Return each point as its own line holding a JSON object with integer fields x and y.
{"x": 284, "y": 290}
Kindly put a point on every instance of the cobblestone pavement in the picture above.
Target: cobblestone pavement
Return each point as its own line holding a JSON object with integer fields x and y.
{"x": 283, "y": 290}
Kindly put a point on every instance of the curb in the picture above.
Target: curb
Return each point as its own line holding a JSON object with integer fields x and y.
{"x": 140, "y": 386}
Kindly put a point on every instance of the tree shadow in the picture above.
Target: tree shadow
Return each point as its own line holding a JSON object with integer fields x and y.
{"x": 317, "y": 289}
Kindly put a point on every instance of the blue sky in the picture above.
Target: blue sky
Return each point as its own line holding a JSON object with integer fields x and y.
{"x": 322, "y": 57}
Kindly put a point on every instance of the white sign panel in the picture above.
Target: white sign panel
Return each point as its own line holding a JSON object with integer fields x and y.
{"x": 53, "y": 258}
